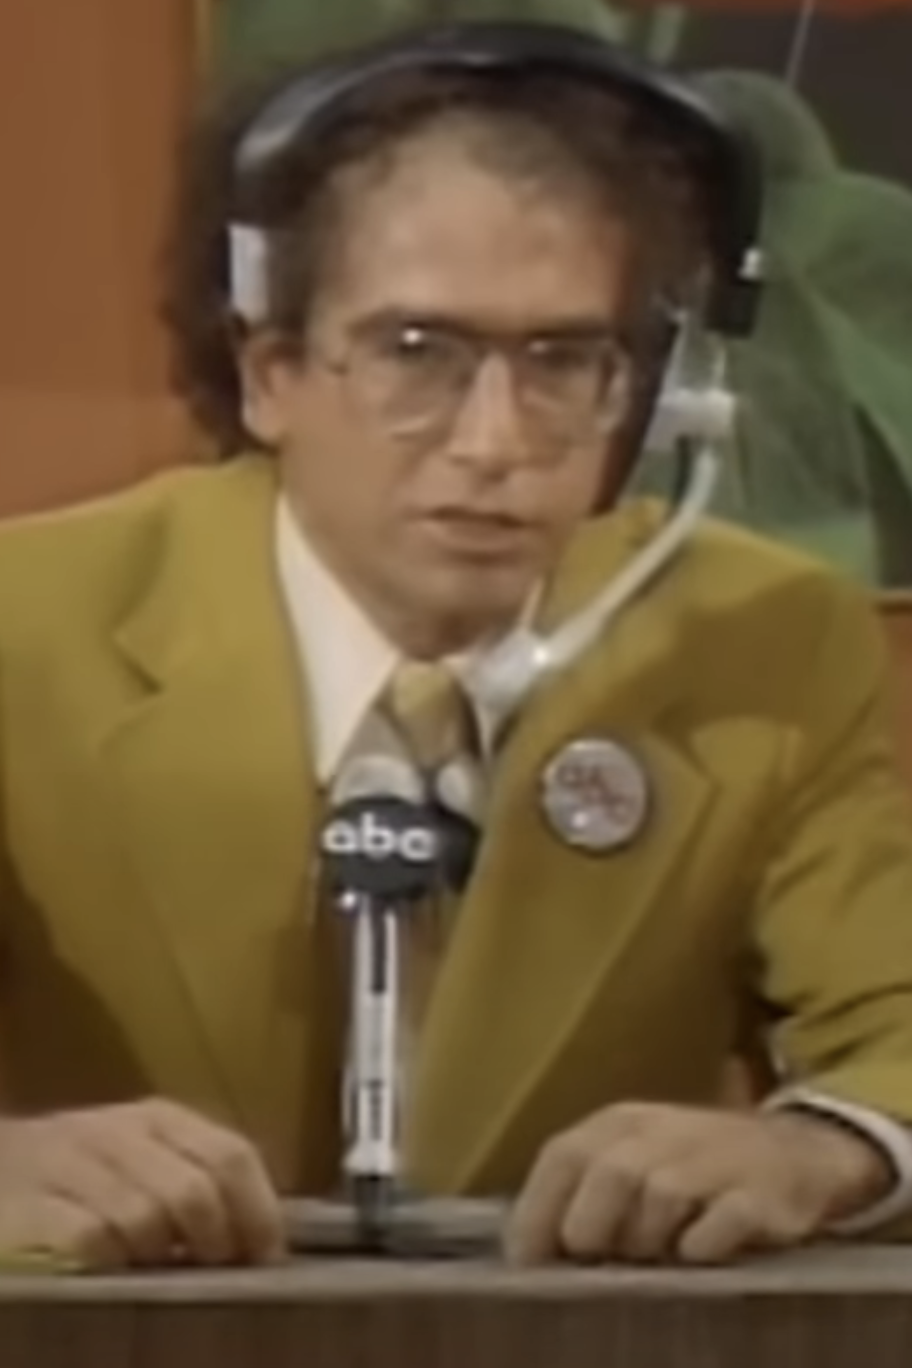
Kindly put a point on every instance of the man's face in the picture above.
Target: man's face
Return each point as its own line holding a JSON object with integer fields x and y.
{"x": 441, "y": 479}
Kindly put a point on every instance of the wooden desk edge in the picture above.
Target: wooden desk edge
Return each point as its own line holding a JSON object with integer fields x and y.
{"x": 842, "y": 1271}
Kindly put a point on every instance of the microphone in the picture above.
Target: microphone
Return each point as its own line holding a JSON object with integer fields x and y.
{"x": 380, "y": 842}
{"x": 381, "y": 854}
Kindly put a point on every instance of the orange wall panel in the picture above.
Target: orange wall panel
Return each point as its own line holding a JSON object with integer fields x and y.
{"x": 92, "y": 97}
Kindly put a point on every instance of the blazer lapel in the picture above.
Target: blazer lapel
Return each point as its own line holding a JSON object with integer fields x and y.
{"x": 210, "y": 766}
{"x": 542, "y": 924}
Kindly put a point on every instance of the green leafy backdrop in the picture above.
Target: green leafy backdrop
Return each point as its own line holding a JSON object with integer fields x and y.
{"x": 824, "y": 450}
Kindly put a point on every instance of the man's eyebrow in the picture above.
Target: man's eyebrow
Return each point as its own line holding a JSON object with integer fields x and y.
{"x": 565, "y": 325}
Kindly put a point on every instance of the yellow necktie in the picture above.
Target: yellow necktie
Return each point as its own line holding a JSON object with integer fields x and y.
{"x": 429, "y": 707}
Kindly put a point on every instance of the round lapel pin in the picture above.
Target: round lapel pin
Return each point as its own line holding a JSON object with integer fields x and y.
{"x": 595, "y": 795}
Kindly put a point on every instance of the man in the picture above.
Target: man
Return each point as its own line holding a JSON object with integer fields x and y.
{"x": 453, "y": 335}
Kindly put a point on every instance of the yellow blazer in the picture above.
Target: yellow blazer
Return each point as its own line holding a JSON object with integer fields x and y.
{"x": 160, "y": 812}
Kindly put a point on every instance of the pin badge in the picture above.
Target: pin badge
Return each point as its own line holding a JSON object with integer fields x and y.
{"x": 595, "y": 795}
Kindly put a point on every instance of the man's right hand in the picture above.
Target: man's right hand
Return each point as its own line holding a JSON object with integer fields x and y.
{"x": 144, "y": 1184}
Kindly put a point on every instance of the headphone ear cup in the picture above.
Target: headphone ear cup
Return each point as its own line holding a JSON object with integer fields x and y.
{"x": 651, "y": 362}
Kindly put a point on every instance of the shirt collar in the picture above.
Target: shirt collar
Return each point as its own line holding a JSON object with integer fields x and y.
{"x": 345, "y": 659}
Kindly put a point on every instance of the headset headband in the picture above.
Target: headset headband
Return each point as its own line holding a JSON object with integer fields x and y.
{"x": 725, "y": 160}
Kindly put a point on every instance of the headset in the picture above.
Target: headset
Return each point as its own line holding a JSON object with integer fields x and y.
{"x": 689, "y": 410}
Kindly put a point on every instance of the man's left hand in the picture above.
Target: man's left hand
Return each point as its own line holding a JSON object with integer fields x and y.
{"x": 648, "y": 1183}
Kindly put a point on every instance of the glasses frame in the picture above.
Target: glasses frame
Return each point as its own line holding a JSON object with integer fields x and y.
{"x": 480, "y": 346}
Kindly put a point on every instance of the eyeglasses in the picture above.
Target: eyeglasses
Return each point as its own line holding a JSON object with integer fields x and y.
{"x": 413, "y": 376}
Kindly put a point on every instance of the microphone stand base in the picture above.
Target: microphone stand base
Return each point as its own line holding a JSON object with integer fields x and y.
{"x": 411, "y": 1228}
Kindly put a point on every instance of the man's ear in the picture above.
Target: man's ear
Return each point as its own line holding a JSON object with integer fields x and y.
{"x": 267, "y": 367}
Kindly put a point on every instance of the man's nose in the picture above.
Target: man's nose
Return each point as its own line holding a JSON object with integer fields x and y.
{"x": 489, "y": 431}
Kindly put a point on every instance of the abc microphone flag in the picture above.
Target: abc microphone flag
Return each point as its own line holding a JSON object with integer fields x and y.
{"x": 381, "y": 839}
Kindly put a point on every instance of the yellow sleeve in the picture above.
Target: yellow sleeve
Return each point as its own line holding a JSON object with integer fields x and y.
{"x": 832, "y": 927}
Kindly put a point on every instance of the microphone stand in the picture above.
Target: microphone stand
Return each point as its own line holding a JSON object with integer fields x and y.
{"x": 382, "y": 852}
{"x": 372, "y": 1160}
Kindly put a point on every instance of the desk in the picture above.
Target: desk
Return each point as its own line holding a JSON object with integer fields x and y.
{"x": 842, "y": 1308}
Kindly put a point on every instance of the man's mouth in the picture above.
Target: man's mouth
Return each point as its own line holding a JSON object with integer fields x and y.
{"x": 478, "y": 531}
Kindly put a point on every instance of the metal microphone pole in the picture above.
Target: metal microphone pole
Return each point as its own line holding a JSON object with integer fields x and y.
{"x": 381, "y": 850}
{"x": 372, "y": 1092}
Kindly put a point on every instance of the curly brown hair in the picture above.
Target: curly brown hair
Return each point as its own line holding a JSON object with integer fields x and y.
{"x": 539, "y": 127}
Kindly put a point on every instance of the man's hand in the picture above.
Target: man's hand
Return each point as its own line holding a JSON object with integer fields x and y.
{"x": 143, "y": 1184}
{"x": 646, "y": 1183}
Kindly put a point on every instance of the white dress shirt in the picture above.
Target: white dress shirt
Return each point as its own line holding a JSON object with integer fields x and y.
{"x": 345, "y": 659}
{"x": 346, "y": 663}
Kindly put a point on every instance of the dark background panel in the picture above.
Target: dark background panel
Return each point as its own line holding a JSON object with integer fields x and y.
{"x": 856, "y": 72}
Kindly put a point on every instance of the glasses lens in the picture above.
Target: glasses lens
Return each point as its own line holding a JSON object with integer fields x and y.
{"x": 571, "y": 386}
{"x": 411, "y": 376}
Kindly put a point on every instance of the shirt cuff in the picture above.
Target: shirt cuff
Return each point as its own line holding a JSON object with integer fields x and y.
{"x": 891, "y": 1137}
